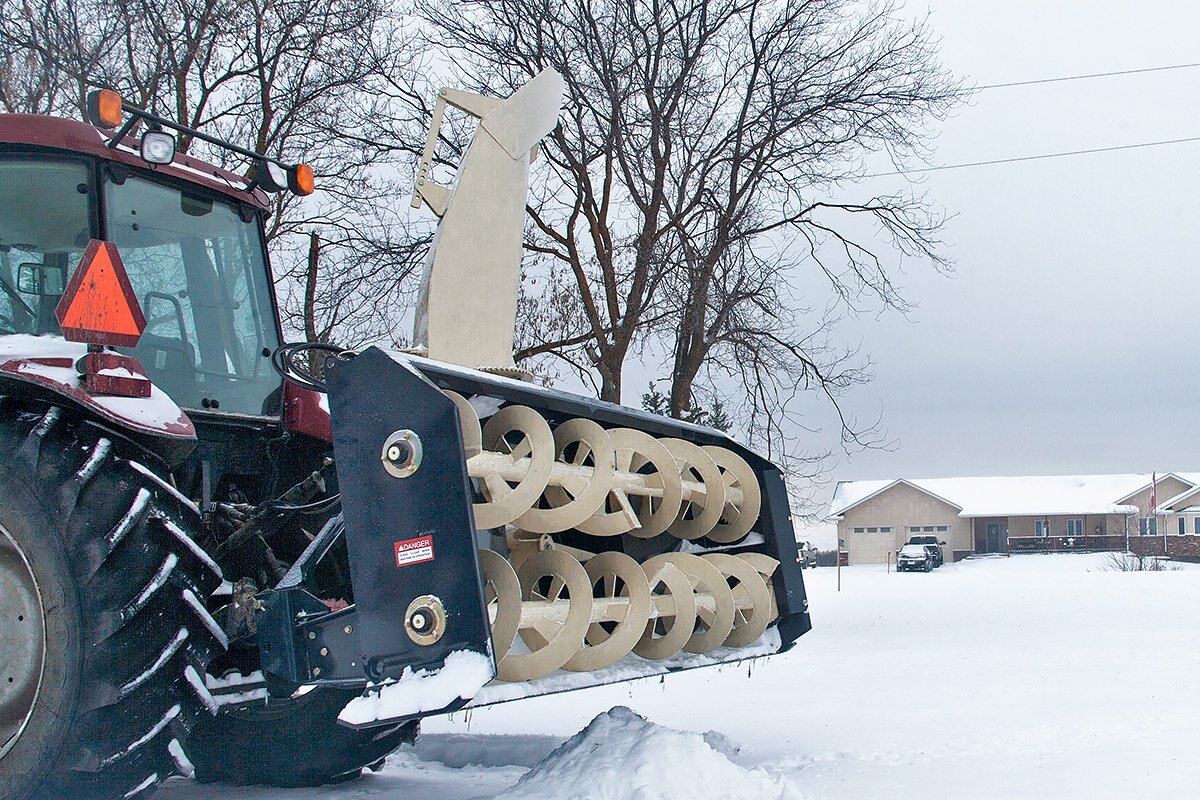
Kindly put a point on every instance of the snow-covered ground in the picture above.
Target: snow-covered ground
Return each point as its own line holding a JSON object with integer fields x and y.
{"x": 1043, "y": 676}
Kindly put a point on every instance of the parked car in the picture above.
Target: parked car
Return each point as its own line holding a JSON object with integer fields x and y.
{"x": 808, "y": 554}
{"x": 932, "y": 541}
{"x": 914, "y": 557}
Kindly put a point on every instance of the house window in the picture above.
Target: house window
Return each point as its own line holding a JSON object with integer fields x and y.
{"x": 917, "y": 528}
{"x": 885, "y": 530}
{"x": 943, "y": 528}
{"x": 929, "y": 529}
{"x": 860, "y": 530}
{"x": 872, "y": 530}
{"x": 1148, "y": 526}
{"x": 1041, "y": 527}
{"x": 1074, "y": 527}
{"x": 1182, "y": 526}
{"x": 1196, "y": 525}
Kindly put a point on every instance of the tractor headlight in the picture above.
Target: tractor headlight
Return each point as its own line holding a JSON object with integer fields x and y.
{"x": 270, "y": 177}
{"x": 158, "y": 147}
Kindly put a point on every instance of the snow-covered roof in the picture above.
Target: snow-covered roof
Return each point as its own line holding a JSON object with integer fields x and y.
{"x": 1010, "y": 496}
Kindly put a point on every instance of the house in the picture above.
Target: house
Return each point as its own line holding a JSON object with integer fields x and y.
{"x": 1018, "y": 514}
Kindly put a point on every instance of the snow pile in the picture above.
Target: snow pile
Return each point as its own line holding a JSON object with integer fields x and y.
{"x": 464, "y": 673}
{"x": 620, "y": 755}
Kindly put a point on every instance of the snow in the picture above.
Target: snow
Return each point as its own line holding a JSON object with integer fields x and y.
{"x": 23, "y": 345}
{"x": 130, "y": 519}
{"x": 621, "y": 755}
{"x": 90, "y": 467}
{"x": 461, "y": 677}
{"x": 166, "y": 655}
{"x": 201, "y": 611}
{"x": 120, "y": 372}
{"x": 197, "y": 684}
{"x": 154, "y": 412}
{"x": 1010, "y": 496}
{"x": 224, "y": 690}
{"x": 1047, "y": 676}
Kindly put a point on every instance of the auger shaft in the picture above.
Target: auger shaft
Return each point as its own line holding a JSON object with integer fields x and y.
{"x": 488, "y": 463}
{"x": 614, "y": 609}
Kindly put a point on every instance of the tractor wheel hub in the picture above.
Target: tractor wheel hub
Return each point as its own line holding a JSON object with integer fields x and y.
{"x": 22, "y": 642}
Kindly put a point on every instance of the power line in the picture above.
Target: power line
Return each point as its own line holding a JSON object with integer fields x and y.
{"x": 1086, "y": 77}
{"x": 1040, "y": 157}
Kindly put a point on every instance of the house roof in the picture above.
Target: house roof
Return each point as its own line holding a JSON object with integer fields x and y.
{"x": 1009, "y": 496}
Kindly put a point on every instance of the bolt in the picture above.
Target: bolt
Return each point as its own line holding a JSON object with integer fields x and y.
{"x": 316, "y": 671}
{"x": 347, "y": 630}
{"x": 312, "y": 634}
{"x": 324, "y": 651}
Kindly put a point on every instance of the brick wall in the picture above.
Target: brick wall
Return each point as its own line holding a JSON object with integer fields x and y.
{"x": 1183, "y": 548}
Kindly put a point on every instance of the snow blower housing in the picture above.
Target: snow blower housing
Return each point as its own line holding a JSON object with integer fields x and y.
{"x": 243, "y": 535}
{"x": 588, "y": 570}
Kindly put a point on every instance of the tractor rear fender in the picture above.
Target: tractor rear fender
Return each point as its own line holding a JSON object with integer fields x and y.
{"x": 44, "y": 367}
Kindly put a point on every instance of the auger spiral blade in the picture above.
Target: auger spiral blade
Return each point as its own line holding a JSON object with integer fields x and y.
{"x": 667, "y": 633}
{"x": 751, "y": 600}
{"x": 579, "y": 490}
{"x": 714, "y": 602}
{"x": 743, "y": 499}
{"x": 502, "y": 592}
{"x": 548, "y": 578}
{"x": 646, "y": 472}
{"x": 620, "y": 606}
{"x": 704, "y": 495}
{"x": 521, "y": 437}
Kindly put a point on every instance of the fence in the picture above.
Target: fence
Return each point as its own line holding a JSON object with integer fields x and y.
{"x": 1065, "y": 544}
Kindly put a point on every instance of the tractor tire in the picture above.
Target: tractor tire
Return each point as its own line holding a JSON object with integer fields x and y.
{"x": 292, "y": 742}
{"x": 104, "y": 636}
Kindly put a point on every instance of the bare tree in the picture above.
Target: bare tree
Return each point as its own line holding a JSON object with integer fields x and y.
{"x": 693, "y": 177}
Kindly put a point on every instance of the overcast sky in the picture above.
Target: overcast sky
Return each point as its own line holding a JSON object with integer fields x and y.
{"x": 1064, "y": 343}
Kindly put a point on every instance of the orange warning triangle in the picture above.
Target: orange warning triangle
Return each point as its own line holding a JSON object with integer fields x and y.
{"x": 99, "y": 306}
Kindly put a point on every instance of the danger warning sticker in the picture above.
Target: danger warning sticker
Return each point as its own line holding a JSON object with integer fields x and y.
{"x": 414, "y": 551}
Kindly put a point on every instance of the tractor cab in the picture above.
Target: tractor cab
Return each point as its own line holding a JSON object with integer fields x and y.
{"x": 192, "y": 244}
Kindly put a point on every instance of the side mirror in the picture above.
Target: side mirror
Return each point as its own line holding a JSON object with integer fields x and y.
{"x": 41, "y": 280}
{"x": 942, "y": 543}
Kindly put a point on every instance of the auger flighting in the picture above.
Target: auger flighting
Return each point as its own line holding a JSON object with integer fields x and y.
{"x": 583, "y": 611}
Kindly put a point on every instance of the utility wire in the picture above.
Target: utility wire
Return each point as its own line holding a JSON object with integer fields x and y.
{"x": 1040, "y": 157}
{"x": 1065, "y": 154}
{"x": 1087, "y": 77}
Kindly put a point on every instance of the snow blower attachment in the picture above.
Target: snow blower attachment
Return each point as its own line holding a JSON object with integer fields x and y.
{"x": 553, "y": 533}
{"x": 550, "y": 532}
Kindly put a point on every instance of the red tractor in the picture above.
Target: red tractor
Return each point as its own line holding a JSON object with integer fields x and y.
{"x": 221, "y": 554}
